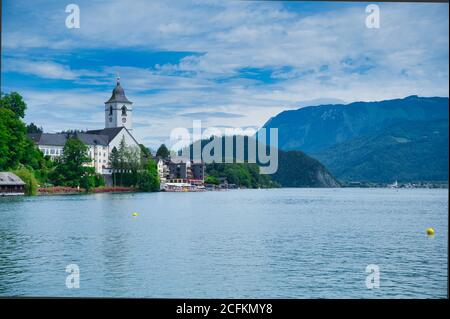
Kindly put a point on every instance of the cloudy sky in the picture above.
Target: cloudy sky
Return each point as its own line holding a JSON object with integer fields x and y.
{"x": 227, "y": 63}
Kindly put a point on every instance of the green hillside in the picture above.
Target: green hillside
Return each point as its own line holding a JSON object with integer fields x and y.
{"x": 408, "y": 151}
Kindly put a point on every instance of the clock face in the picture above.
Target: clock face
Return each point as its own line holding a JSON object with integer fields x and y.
{"x": 124, "y": 120}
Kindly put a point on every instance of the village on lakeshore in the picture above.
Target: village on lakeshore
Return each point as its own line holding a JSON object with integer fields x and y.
{"x": 111, "y": 159}
{"x": 102, "y": 148}
{"x": 118, "y": 128}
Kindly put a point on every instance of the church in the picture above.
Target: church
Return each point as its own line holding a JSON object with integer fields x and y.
{"x": 100, "y": 143}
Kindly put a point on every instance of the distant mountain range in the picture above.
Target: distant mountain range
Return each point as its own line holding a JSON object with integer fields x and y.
{"x": 402, "y": 139}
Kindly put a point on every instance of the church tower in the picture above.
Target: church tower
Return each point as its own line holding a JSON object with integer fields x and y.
{"x": 118, "y": 109}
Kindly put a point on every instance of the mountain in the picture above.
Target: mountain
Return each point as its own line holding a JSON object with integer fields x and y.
{"x": 407, "y": 151}
{"x": 315, "y": 128}
{"x": 295, "y": 169}
{"x": 404, "y": 139}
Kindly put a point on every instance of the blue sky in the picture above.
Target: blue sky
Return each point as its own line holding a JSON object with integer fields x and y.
{"x": 227, "y": 63}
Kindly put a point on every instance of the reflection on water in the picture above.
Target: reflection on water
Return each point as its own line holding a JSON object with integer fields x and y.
{"x": 294, "y": 243}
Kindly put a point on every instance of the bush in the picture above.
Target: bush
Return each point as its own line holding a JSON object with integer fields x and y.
{"x": 212, "y": 180}
{"x": 148, "y": 179}
{"x": 27, "y": 176}
{"x": 147, "y": 182}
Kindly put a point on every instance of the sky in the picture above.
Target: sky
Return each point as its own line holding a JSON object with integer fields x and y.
{"x": 226, "y": 63}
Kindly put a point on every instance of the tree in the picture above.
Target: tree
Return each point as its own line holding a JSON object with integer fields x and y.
{"x": 145, "y": 152}
{"x": 16, "y": 149}
{"x": 70, "y": 171}
{"x": 212, "y": 180}
{"x": 13, "y": 102}
{"x": 163, "y": 152}
{"x": 12, "y": 139}
{"x": 29, "y": 179}
{"x": 148, "y": 178}
{"x": 114, "y": 163}
{"x": 88, "y": 179}
{"x": 133, "y": 166}
{"x": 32, "y": 128}
{"x": 122, "y": 155}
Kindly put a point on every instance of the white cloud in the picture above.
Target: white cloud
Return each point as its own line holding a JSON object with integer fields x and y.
{"x": 43, "y": 69}
{"x": 407, "y": 55}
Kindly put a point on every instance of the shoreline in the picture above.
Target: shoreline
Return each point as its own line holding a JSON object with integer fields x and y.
{"x": 63, "y": 190}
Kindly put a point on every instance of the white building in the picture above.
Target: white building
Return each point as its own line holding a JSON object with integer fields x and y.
{"x": 118, "y": 126}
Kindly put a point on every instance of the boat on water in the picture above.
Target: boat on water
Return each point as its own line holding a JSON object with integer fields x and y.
{"x": 393, "y": 185}
{"x": 182, "y": 187}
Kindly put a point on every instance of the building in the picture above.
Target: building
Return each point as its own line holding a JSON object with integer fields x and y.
{"x": 163, "y": 169}
{"x": 11, "y": 184}
{"x": 198, "y": 171}
{"x": 100, "y": 143}
{"x": 179, "y": 170}
{"x": 186, "y": 171}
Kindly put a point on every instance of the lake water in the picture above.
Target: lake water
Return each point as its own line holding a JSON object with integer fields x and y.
{"x": 291, "y": 243}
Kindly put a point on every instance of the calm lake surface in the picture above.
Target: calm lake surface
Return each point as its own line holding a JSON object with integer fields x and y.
{"x": 292, "y": 243}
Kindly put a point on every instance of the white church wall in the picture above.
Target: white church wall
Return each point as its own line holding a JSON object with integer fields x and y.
{"x": 129, "y": 140}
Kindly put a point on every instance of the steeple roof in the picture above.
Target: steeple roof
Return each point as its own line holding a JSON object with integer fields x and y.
{"x": 118, "y": 94}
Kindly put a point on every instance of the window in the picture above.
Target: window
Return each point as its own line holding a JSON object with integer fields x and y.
{"x": 124, "y": 111}
{"x": 110, "y": 110}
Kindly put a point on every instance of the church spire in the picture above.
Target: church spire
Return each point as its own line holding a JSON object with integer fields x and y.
{"x": 118, "y": 109}
{"x": 118, "y": 94}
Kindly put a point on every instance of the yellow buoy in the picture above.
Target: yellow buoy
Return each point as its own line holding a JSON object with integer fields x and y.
{"x": 135, "y": 214}
{"x": 430, "y": 231}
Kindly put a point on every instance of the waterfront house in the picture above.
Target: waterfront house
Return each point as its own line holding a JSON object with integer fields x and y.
{"x": 11, "y": 184}
{"x": 186, "y": 171}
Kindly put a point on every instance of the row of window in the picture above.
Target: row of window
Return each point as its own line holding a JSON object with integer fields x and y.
{"x": 59, "y": 151}
{"x": 100, "y": 161}
{"x": 52, "y": 151}
{"x": 97, "y": 154}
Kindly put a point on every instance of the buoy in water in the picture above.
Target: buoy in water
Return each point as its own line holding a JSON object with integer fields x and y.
{"x": 135, "y": 214}
{"x": 430, "y": 231}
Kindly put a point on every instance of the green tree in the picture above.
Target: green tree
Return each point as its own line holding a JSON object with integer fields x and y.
{"x": 12, "y": 139}
{"x": 122, "y": 156}
{"x": 114, "y": 163}
{"x": 88, "y": 179}
{"x": 134, "y": 167}
{"x": 212, "y": 180}
{"x": 27, "y": 176}
{"x": 145, "y": 152}
{"x": 163, "y": 152}
{"x": 15, "y": 147}
{"x": 71, "y": 169}
{"x": 14, "y": 102}
{"x": 32, "y": 128}
{"x": 148, "y": 178}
